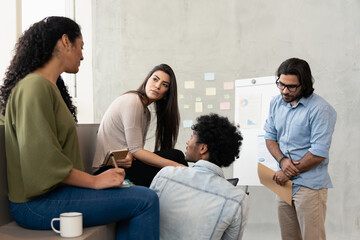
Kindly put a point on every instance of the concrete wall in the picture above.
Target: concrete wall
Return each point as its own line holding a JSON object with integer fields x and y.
{"x": 8, "y": 24}
{"x": 241, "y": 39}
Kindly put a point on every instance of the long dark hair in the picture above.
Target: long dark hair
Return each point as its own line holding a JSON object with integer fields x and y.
{"x": 167, "y": 110}
{"x": 300, "y": 68}
{"x": 33, "y": 50}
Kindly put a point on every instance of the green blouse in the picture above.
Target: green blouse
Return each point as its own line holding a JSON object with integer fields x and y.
{"x": 40, "y": 138}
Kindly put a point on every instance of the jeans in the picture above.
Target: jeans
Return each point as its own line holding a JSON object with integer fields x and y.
{"x": 135, "y": 209}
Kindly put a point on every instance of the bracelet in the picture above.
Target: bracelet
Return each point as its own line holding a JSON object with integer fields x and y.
{"x": 281, "y": 160}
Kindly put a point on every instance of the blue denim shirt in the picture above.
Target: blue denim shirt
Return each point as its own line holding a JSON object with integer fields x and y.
{"x": 199, "y": 203}
{"x": 305, "y": 127}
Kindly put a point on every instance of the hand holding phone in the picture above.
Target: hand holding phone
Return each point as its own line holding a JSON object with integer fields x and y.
{"x": 116, "y": 157}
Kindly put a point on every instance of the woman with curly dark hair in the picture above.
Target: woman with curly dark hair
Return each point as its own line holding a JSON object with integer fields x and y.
{"x": 126, "y": 122}
{"x": 44, "y": 166}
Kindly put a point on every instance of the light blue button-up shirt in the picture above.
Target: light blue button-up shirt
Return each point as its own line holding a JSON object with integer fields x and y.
{"x": 305, "y": 127}
{"x": 199, "y": 203}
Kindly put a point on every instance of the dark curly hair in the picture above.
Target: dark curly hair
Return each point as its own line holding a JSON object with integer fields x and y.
{"x": 167, "y": 110}
{"x": 222, "y": 138}
{"x": 300, "y": 68}
{"x": 35, "y": 48}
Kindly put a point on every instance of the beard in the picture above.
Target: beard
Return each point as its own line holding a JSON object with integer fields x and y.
{"x": 291, "y": 98}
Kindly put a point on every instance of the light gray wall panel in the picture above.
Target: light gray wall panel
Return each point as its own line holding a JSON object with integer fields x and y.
{"x": 240, "y": 39}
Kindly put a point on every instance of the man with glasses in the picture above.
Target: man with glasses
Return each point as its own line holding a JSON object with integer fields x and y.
{"x": 198, "y": 202}
{"x": 298, "y": 130}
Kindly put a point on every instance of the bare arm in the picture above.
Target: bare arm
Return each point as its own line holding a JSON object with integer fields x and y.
{"x": 126, "y": 162}
{"x": 152, "y": 159}
{"x": 107, "y": 179}
{"x": 308, "y": 162}
{"x": 287, "y": 166}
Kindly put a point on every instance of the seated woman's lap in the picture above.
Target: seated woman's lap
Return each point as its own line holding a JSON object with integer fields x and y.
{"x": 142, "y": 174}
{"x": 97, "y": 206}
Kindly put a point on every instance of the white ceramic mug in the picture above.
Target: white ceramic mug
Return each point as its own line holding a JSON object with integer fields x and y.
{"x": 71, "y": 224}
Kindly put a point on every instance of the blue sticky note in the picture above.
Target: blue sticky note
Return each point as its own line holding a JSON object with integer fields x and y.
{"x": 209, "y": 76}
{"x": 187, "y": 123}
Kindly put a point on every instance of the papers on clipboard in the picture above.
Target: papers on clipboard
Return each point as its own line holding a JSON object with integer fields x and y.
{"x": 266, "y": 178}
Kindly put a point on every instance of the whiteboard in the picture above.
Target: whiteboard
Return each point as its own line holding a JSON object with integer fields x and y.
{"x": 252, "y": 102}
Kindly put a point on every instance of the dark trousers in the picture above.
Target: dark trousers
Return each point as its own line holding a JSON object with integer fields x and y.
{"x": 142, "y": 174}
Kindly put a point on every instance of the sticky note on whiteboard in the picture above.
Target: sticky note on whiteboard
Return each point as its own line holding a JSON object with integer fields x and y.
{"x": 209, "y": 76}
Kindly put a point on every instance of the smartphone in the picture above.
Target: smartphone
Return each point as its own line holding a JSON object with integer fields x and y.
{"x": 117, "y": 154}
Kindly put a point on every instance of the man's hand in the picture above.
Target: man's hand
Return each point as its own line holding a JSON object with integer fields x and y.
{"x": 280, "y": 177}
{"x": 126, "y": 162}
{"x": 289, "y": 168}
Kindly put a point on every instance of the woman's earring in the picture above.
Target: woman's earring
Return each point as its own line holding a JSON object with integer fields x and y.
{"x": 164, "y": 98}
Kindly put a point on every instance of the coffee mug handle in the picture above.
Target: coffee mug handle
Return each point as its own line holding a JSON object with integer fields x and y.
{"x": 52, "y": 225}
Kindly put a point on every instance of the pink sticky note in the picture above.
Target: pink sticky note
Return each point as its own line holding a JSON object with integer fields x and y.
{"x": 228, "y": 85}
{"x": 225, "y": 106}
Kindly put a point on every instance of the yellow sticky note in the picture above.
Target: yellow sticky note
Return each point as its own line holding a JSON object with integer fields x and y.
{"x": 226, "y": 96}
{"x": 210, "y": 91}
{"x": 198, "y": 107}
{"x": 189, "y": 84}
{"x": 186, "y": 106}
{"x": 210, "y": 106}
{"x": 181, "y": 96}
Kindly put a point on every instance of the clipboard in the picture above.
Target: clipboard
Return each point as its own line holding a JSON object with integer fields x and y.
{"x": 266, "y": 178}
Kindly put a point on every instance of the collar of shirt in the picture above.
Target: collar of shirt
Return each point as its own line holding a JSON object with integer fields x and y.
{"x": 304, "y": 101}
{"x": 209, "y": 167}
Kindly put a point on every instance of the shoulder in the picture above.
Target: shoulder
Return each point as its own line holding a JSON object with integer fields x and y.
{"x": 128, "y": 98}
{"x": 275, "y": 103}
{"x": 276, "y": 100}
{"x": 177, "y": 174}
{"x": 33, "y": 80}
{"x": 34, "y": 86}
{"x": 319, "y": 104}
{"x": 172, "y": 171}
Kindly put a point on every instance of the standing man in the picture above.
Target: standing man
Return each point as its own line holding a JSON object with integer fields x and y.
{"x": 198, "y": 202}
{"x": 298, "y": 135}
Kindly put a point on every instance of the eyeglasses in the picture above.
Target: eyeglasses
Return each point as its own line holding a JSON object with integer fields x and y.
{"x": 291, "y": 88}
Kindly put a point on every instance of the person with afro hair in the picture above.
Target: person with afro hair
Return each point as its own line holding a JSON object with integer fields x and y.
{"x": 198, "y": 202}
